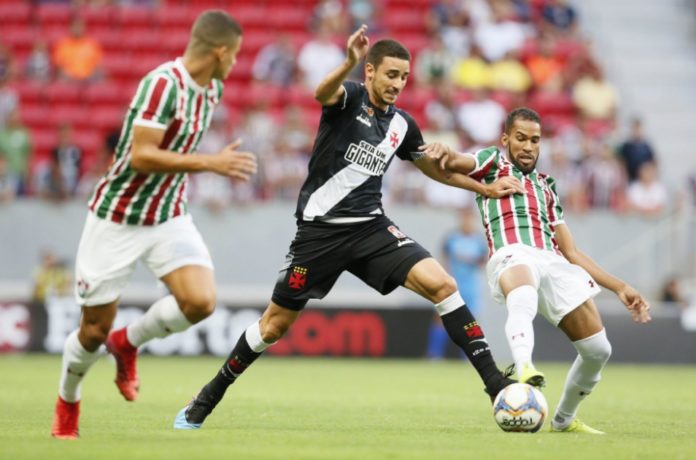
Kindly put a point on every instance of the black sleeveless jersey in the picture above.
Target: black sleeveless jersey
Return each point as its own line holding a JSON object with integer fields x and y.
{"x": 355, "y": 144}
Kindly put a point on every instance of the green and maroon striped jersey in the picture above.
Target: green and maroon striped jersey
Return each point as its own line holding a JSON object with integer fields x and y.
{"x": 528, "y": 219}
{"x": 168, "y": 99}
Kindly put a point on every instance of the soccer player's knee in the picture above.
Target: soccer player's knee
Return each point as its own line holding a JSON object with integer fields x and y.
{"x": 95, "y": 333}
{"x": 272, "y": 331}
{"x": 600, "y": 352}
{"x": 198, "y": 306}
{"x": 444, "y": 287}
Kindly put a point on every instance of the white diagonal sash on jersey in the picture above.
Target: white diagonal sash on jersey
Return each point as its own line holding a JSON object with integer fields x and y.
{"x": 352, "y": 176}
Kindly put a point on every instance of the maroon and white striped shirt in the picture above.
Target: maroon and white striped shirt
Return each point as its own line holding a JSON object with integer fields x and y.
{"x": 168, "y": 99}
{"x": 528, "y": 219}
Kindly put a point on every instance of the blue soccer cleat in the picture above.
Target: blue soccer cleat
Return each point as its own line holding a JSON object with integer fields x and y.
{"x": 180, "y": 422}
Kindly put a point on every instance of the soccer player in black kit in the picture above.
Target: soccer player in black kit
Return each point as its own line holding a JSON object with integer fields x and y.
{"x": 341, "y": 225}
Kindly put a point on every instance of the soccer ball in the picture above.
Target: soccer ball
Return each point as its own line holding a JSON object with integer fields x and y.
{"x": 521, "y": 408}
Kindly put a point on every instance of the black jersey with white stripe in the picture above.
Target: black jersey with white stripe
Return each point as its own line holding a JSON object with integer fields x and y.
{"x": 355, "y": 144}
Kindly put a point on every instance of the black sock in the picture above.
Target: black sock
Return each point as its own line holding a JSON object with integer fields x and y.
{"x": 463, "y": 329}
{"x": 239, "y": 359}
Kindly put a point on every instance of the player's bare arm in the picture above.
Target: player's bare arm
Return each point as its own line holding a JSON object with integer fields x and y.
{"x": 148, "y": 157}
{"x": 635, "y": 303}
{"x": 444, "y": 164}
{"x": 330, "y": 91}
{"x": 500, "y": 188}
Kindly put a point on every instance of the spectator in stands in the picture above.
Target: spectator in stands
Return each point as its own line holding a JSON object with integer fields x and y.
{"x": 544, "y": 66}
{"x": 285, "y": 170}
{"x": 482, "y": 118}
{"x": 295, "y": 131}
{"x": 38, "y": 64}
{"x": 276, "y": 62}
{"x": 318, "y": 57}
{"x": 216, "y": 192}
{"x": 67, "y": 157}
{"x": 569, "y": 179}
{"x": 7, "y": 63}
{"x": 595, "y": 97}
{"x": 560, "y": 16}
{"x": 604, "y": 178}
{"x": 647, "y": 196}
{"x": 330, "y": 15}
{"x": 77, "y": 56}
{"x": 8, "y": 183}
{"x": 441, "y": 112}
{"x": 499, "y": 36}
{"x": 15, "y": 143}
{"x": 472, "y": 72}
{"x": 672, "y": 293}
{"x": 9, "y": 101}
{"x": 51, "y": 278}
{"x": 636, "y": 150}
{"x": 510, "y": 75}
{"x": 433, "y": 63}
{"x": 456, "y": 33}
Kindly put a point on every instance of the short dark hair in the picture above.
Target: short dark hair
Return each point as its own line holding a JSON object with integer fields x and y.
{"x": 386, "y": 48}
{"x": 522, "y": 113}
{"x": 213, "y": 28}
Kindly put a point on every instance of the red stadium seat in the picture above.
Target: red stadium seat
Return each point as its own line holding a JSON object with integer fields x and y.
{"x": 35, "y": 116}
{"x": 101, "y": 16}
{"x": 54, "y": 13}
{"x": 141, "y": 40}
{"x": 135, "y": 17}
{"x": 61, "y": 92}
{"x": 73, "y": 115}
{"x": 20, "y": 38}
{"x": 15, "y": 12}
{"x": 109, "y": 93}
{"x": 29, "y": 91}
{"x": 105, "y": 118}
{"x": 547, "y": 103}
{"x": 403, "y": 20}
{"x": 89, "y": 140}
{"x": 176, "y": 16}
{"x": 287, "y": 18}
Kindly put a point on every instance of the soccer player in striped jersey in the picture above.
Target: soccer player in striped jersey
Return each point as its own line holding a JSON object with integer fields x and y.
{"x": 138, "y": 212}
{"x": 535, "y": 266}
{"x": 341, "y": 223}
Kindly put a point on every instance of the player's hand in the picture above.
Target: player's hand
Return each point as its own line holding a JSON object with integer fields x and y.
{"x": 232, "y": 163}
{"x": 504, "y": 186}
{"x": 635, "y": 303}
{"x": 357, "y": 46}
{"x": 439, "y": 152}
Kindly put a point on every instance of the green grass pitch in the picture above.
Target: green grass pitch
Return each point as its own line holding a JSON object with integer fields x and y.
{"x": 339, "y": 409}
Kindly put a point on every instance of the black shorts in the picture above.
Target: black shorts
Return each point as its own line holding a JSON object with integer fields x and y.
{"x": 375, "y": 251}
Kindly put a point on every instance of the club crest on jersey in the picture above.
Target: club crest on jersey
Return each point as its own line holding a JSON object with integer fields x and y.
{"x": 394, "y": 139}
{"x": 368, "y": 110}
{"x": 298, "y": 278}
{"x": 82, "y": 287}
{"x": 369, "y": 157}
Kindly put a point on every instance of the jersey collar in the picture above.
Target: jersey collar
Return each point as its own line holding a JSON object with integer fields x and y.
{"x": 179, "y": 64}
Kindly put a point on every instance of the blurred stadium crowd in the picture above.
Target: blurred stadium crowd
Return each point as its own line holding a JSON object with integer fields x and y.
{"x": 68, "y": 69}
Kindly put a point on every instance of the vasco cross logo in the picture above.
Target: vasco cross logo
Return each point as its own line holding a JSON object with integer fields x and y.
{"x": 298, "y": 278}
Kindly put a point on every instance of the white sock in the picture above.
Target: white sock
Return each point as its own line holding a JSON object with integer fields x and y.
{"x": 450, "y": 304}
{"x": 76, "y": 363}
{"x": 522, "y": 303}
{"x": 584, "y": 374}
{"x": 253, "y": 338}
{"x": 163, "y": 318}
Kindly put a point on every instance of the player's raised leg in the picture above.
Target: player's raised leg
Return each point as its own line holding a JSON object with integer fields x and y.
{"x": 584, "y": 328}
{"x": 81, "y": 350}
{"x": 274, "y": 323}
{"x": 429, "y": 279}
{"x": 519, "y": 287}
{"x": 192, "y": 300}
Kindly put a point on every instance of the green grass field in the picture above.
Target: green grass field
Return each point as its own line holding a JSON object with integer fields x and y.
{"x": 339, "y": 409}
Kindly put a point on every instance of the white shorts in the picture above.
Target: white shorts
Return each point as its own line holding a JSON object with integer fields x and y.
{"x": 562, "y": 286}
{"x": 108, "y": 252}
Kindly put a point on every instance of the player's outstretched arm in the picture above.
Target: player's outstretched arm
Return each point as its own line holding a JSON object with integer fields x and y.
{"x": 148, "y": 157}
{"x": 330, "y": 91}
{"x": 500, "y": 188}
{"x": 635, "y": 303}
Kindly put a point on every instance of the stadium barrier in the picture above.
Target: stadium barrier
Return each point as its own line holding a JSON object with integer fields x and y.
{"x": 341, "y": 331}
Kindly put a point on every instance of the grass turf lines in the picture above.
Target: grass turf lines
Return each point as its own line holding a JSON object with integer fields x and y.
{"x": 287, "y": 408}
